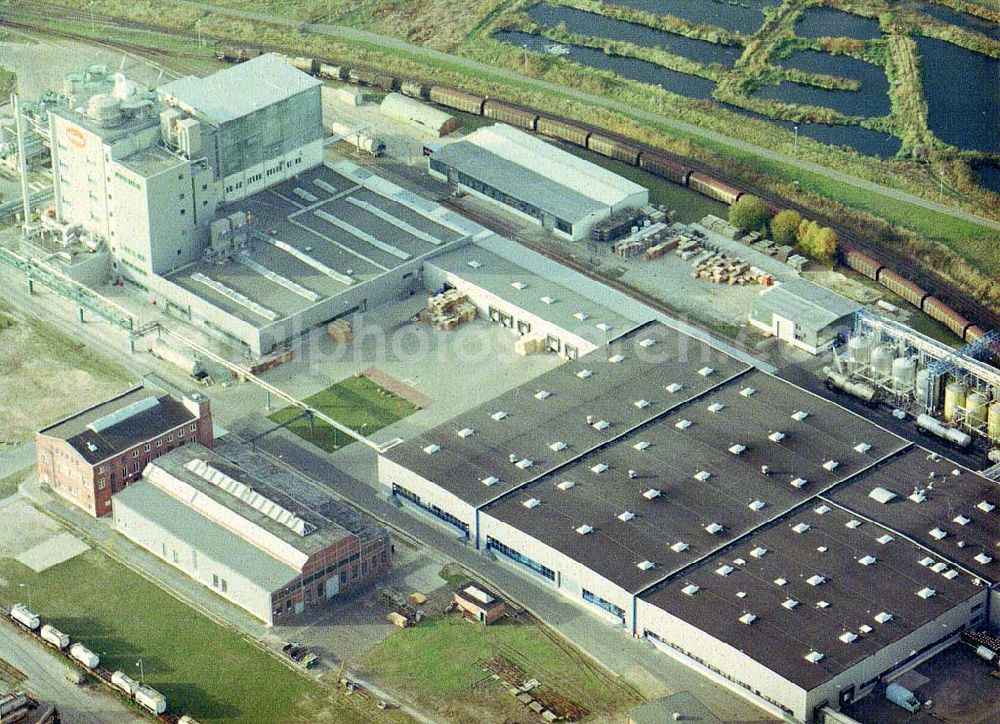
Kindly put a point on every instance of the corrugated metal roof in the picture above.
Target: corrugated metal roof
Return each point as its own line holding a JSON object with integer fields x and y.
{"x": 239, "y": 90}
{"x": 403, "y": 108}
{"x": 806, "y": 303}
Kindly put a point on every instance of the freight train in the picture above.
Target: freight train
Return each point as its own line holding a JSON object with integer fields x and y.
{"x": 611, "y": 146}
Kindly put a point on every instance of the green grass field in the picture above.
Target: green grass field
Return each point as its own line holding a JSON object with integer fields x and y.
{"x": 356, "y": 402}
{"x": 8, "y": 485}
{"x": 447, "y": 652}
{"x": 206, "y": 671}
{"x": 8, "y": 83}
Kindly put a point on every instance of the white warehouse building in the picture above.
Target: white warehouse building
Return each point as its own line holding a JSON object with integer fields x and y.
{"x": 535, "y": 180}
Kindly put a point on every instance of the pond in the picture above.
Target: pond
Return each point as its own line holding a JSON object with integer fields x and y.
{"x": 683, "y": 84}
{"x": 598, "y": 26}
{"x": 740, "y": 16}
{"x": 871, "y": 100}
{"x": 962, "y": 97}
{"x": 989, "y": 178}
{"x": 965, "y": 21}
{"x": 826, "y": 22}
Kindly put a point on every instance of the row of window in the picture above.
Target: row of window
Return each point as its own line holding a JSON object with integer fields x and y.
{"x": 594, "y": 599}
{"x": 431, "y": 508}
{"x": 517, "y": 557}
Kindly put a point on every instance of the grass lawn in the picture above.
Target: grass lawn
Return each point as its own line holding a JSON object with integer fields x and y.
{"x": 447, "y": 652}
{"x": 8, "y": 83}
{"x": 8, "y": 485}
{"x": 356, "y": 402}
{"x": 204, "y": 670}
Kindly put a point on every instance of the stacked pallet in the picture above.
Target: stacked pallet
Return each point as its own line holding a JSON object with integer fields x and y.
{"x": 529, "y": 344}
{"x": 658, "y": 250}
{"x": 721, "y": 269}
{"x": 447, "y": 310}
{"x": 340, "y": 331}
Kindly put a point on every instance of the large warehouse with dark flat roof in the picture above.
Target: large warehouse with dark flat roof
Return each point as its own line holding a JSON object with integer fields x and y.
{"x": 657, "y": 475}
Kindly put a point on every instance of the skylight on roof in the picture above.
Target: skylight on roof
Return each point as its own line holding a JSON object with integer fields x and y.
{"x": 519, "y": 285}
{"x": 713, "y": 528}
{"x": 565, "y": 485}
{"x": 647, "y": 342}
{"x": 474, "y": 264}
{"x": 961, "y": 519}
{"x": 498, "y": 415}
{"x": 800, "y": 415}
{"x": 815, "y": 580}
{"x": 724, "y": 570}
{"x": 939, "y": 566}
{"x": 853, "y": 523}
{"x": 581, "y": 317}
{"x": 800, "y": 527}
{"x": 547, "y": 300}
{"x": 599, "y": 468}
{"x": 926, "y": 593}
{"x": 679, "y": 547}
{"x": 641, "y": 403}
{"x": 885, "y": 538}
{"x": 822, "y": 604}
{"x": 799, "y": 483}
{"x": 925, "y": 561}
{"x": 603, "y": 326}
{"x": 645, "y": 565}
{"x": 776, "y": 436}
{"x": 865, "y": 628}
{"x": 466, "y": 432}
{"x": 780, "y": 581}
{"x": 830, "y": 465}
{"x": 584, "y": 529}
{"x": 982, "y": 559}
{"x": 682, "y": 424}
{"x": 524, "y": 463}
{"x": 848, "y": 637}
{"x": 881, "y": 495}
{"x": 985, "y": 506}
{"x": 491, "y": 480}
{"x": 748, "y": 618}
{"x": 641, "y": 445}
{"x": 616, "y": 358}
{"x": 626, "y": 516}
{"x": 822, "y": 510}
{"x": 716, "y": 407}
{"x": 706, "y": 371}
{"x": 757, "y": 505}
{"x": 950, "y": 574}
{"x": 937, "y": 534}
{"x": 702, "y": 475}
{"x": 674, "y": 387}
{"x": 862, "y": 447}
{"x": 601, "y": 425}
{"x": 432, "y": 448}
{"x": 759, "y": 552}
{"x": 790, "y": 603}
{"x": 867, "y": 560}
{"x": 542, "y": 395}
{"x": 814, "y": 657}
{"x": 883, "y": 617}
{"x": 557, "y": 446}
{"x": 737, "y": 449}
{"x": 691, "y": 589}
{"x": 651, "y": 494}
{"x": 531, "y": 503}
{"x": 747, "y": 391}
{"x": 584, "y": 374}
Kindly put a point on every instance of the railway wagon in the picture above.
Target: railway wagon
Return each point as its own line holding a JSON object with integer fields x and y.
{"x": 906, "y": 289}
{"x": 664, "y": 167}
{"x": 562, "y": 130}
{"x": 862, "y": 263}
{"x": 613, "y": 148}
{"x": 235, "y": 54}
{"x": 936, "y": 309}
{"x": 460, "y": 100}
{"x": 334, "y": 72}
{"x": 415, "y": 89}
{"x": 974, "y": 332}
{"x": 511, "y": 115}
{"x": 713, "y": 188}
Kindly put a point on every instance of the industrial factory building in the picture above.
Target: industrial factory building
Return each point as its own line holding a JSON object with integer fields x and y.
{"x": 245, "y": 539}
{"x": 803, "y": 314}
{"x": 535, "y": 180}
{"x": 674, "y": 491}
{"x": 96, "y": 453}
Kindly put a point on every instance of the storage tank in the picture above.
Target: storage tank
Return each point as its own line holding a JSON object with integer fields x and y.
{"x": 55, "y": 637}
{"x": 954, "y": 397}
{"x": 920, "y": 391}
{"x": 85, "y": 656}
{"x": 151, "y": 699}
{"x": 24, "y": 616}
{"x": 105, "y": 109}
{"x": 976, "y": 410}
{"x": 861, "y": 348}
{"x": 881, "y": 360}
{"x": 189, "y": 363}
{"x": 993, "y": 421}
{"x": 121, "y": 680}
{"x": 73, "y": 84}
{"x": 904, "y": 373}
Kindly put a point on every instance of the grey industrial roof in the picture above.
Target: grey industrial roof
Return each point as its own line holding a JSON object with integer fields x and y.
{"x": 203, "y": 535}
{"x": 326, "y": 532}
{"x": 151, "y": 161}
{"x": 671, "y": 462}
{"x": 531, "y": 424}
{"x": 240, "y": 89}
{"x": 517, "y": 181}
{"x": 127, "y": 127}
{"x": 495, "y": 274}
{"x": 831, "y": 547}
{"x": 966, "y": 507}
{"x": 806, "y": 303}
{"x": 143, "y": 425}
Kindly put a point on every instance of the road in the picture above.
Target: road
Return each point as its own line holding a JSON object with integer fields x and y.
{"x": 341, "y": 32}
{"x": 47, "y": 680}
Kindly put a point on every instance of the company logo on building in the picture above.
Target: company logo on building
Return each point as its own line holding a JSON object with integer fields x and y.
{"x": 76, "y": 137}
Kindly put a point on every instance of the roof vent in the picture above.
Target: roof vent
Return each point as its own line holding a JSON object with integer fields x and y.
{"x": 853, "y": 523}
{"x": 432, "y": 448}
{"x": 682, "y": 424}
{"x": 830, "y": 465}
{"x": 566, "y": 485}
{"x": 599, "y": 468}
{"x": 780, "y": 582}
{"x": 499, "y": 415}
{"x": 816, "y": 580}
{"x": 790, "y": 603}
{"x": 557, "y": 446}
{"x": 674, "y": 387}
{"x": 918, "y": 495}
{"x": 867, "y": 560}
{"x": 641, "y": 403}
{"x": 491, "y": 480}
{"x": 679, "y": 547}
{"x": 92, "y": 447}
{"x": 800, "y": 527}
{"x": 747, "y": 391}
{"x": 519, "y": 285}
{"x": 724, "y": 570}
{"x": 584, "y": 529}
{"x": 641, "y": 445}
{"x": 584, "y": 374}
{"x": 581, "y": 317}
{"x": 524, "y": 463}
{"x": 937, "y": 534}
{"x": 737, "y": 449}
{"x": 647, "y": 342}
{"x": 776, "y": 436}
{"x": 961, "y": 520}
{"x": 747, "y": 618}
{"x": 645, "y": 565}
{"x": 757, "y": 505}
{"x": 759, "y": 552}
{"x": 848, "y": 637}
{"x": 862, "y": 447}
{"x": 885, "y": 538}
{"x": 466, "y": 432}
{"x": 651, "y": 494}
{"x": 926, "y": 593}
{"x": 713, "y": 528}
{"x": 883, "y": 617}
{"x": 814, "y": 657}
{"x": 799, "y": 483}
{"x": 982, "y": 559}
{"x": 881, "y": 495}
{"x": 705, "y": 371}
{"x": 626, "y": 516}
{"x": 716, "y": 407}
{"x": 616, "y": 358}
{"x": 702, "y": 475}
{"x": 986, "y": 507}
{"x": 547, "y": 300}
{"x": 601, "y": 425}
{"x": 691, "y": 589}
{"x": 531, "y": 503}
{"x": 542, "y": 395}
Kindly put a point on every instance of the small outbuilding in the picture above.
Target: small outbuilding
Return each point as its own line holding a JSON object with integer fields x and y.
{"x": 420, "y": 115}
{"x": 479, "y": 604}
{"x": 803, "y": 314}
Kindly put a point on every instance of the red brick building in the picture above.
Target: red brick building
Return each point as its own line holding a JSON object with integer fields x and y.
{"x": 95, "y": 453}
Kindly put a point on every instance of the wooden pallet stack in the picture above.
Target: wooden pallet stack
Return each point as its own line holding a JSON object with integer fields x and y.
{"x": 721, "y": 269}
{"x": 658, "y": 250}
{"x": 447, "y": 310}
{"x": 340, "y": 331}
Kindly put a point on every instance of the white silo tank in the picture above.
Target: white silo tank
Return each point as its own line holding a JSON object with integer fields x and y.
{"x": 976, "y": 409}
{"x": 920, "y": 391}
{"x": 860, "y": 348}
{"x": 954, "y": 397}
{"x": 993, "y": 421}
{"x": 904, "y": 373}
{"x": 881, "y": 360}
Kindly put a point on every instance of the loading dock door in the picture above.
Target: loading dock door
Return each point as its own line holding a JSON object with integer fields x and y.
{"x": 570, "y": 351}
{"x": 552, "y": 343}
{"x": 506, "y": 320}
{"x": 332, "y": 586}
{"x": 784, "y": 328}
